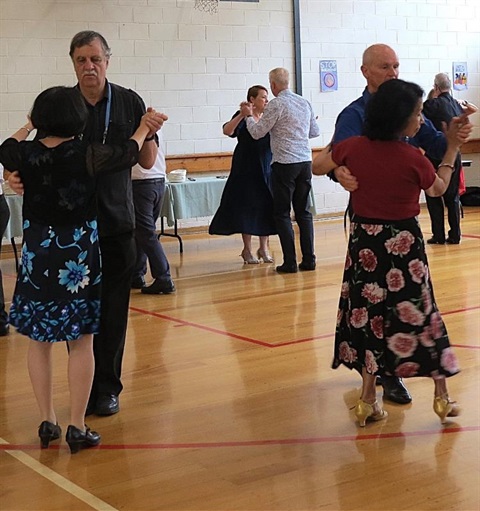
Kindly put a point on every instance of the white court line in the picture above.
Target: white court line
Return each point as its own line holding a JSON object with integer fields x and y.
{"x": 59, "y": 480}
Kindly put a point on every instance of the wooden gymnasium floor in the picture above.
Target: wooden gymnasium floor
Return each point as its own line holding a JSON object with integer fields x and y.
{"x": 230, "y": 402}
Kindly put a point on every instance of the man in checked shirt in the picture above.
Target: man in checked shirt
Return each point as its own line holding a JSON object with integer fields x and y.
{"x": 291, "y": 122}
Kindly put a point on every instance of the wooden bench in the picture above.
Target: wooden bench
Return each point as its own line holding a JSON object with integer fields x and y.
{"x": 222, "y": 162}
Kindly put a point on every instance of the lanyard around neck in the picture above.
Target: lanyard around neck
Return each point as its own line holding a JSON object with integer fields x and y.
{"x": 107, "y": 113}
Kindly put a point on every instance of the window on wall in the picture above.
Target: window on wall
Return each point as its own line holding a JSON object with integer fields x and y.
{"x": 239, "y": 0}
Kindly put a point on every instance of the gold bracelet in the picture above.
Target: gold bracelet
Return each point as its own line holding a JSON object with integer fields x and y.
{"x": 28, "y": 130}
{"x": 446, "y": 165}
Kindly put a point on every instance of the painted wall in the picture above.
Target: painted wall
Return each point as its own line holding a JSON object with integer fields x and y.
{"x": 196, "y": 67}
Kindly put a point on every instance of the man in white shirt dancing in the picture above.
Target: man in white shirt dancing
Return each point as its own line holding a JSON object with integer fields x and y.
{"x": 291, "y": 122}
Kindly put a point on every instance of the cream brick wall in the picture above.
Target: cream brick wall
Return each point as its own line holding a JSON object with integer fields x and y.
{"x": 196, "y": 67}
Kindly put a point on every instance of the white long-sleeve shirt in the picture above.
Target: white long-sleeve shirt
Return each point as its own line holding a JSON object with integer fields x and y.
{"x": 291, "y": 122}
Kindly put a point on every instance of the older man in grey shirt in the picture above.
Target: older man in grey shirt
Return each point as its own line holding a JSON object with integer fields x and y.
{"x": 291, "y": 122}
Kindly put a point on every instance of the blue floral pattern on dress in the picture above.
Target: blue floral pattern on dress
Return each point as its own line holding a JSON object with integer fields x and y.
{"x": 75, "y": 276}
{"x": 52, "y": 321}
{"x": 69, "y": 306}
{"x": 57, "y": 293}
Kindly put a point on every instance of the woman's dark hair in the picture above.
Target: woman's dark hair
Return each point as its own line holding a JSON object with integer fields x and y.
{"x": 86, "y": 37}
{"x": 59, "y": 111}
{"x": 390, "y": 108}
{"x": 254, "y": 90}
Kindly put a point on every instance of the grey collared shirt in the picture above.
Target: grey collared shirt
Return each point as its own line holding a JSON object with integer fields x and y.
{"x": 291, "y": 122}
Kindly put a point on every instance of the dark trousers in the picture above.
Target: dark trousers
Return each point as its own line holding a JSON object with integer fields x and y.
{"x": 4, "y": 218}
{"x": 436, "y": 210}
{"x": 291, "y": 185}
{"x": 118, "y": 259}
{"x": 147, "y": 198}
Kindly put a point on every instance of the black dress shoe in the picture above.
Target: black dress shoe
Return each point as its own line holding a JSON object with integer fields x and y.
{"x": 451, "y": 241}
{"x": 107, "y": 405}
{"x": 159, "y": 287}
{"x": 78, "y": 439}
{"x": 307, "y": 266}
{"x": 4, "y": 330}
{"x": 435, "y": 241}
{"x": 394, "y": 390}
{"x": 138, "y": 283}
{"x": 47, "y": 432}
{"x": 285, "y": 268}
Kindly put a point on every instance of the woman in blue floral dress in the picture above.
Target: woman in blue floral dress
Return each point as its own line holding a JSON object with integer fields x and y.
{"x": 388, "y": 321}
{"x": 57, "y": 294}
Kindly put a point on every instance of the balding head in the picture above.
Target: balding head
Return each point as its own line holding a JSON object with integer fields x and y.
{"x": 379, "y": 64}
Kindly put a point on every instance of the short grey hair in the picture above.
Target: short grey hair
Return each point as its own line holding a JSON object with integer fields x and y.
{"x": 86, "y": 37}
{"x": 280, "y": 76}
{"x": 442, "y": 81}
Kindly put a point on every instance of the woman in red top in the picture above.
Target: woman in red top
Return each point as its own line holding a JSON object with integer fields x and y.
{"x": 388, "y": 321}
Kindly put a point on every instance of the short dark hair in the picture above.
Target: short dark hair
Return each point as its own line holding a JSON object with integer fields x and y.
{"x": 254, "y": 90}
{"x": 389, "y": 109}
{"x": 86, "y": 37}
{"x": 60, "y": 111}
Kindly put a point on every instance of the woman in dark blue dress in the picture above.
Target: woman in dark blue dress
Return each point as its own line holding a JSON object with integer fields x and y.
{"x": 57, "y": 294}
{"x": 247, "y": 205}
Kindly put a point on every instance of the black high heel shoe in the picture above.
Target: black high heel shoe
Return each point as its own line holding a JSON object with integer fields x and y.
{"x": 47, "y": 431}
{"x": 78, "y": 439}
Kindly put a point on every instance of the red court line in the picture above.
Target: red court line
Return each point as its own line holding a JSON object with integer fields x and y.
{"x": 201, "y": 327}
{"x": 263, "y": 343}
{"x": 255, "y": 443}
{"x": 456, "y": 311}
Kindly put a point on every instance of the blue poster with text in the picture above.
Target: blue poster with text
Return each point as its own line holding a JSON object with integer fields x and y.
{"x": 328, "y": 75}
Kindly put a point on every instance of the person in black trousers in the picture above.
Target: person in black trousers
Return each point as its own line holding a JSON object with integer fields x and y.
{"x": 4, "y": 218}
{"x": 114, "y": 115}
{"x": 440, "y": 110}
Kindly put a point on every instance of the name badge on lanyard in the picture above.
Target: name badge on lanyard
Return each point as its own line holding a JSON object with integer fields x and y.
{"x": 107, "y": 113}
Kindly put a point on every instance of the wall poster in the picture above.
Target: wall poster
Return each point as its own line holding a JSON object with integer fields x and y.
{"x": 460, "y": 76}
{"x": 328, "y": 75}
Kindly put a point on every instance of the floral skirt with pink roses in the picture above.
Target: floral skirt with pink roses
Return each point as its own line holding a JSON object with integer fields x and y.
{"x": 387, "y": 319}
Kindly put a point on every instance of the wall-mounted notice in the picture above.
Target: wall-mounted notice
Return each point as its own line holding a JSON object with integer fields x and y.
{"x": 328, "y": 75}
{"x": 460, "y": 76}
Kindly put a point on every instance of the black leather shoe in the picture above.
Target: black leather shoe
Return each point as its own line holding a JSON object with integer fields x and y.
{"x": 107, "y": 405}
{"x": 306, "y": 266}
{"x": 47, "y": 432}
{"x": 285, "y": 268}
{"x": 435, "y": 241}
{"x": 138, "y": 283}
{"x": 451, "y": 241}
{"x": 394, "y": 390}
{"x": 4, "y": 330}
{"x": 159, "y": 287}
{"x": 78, "y": 439}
